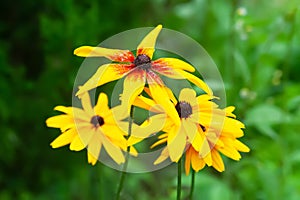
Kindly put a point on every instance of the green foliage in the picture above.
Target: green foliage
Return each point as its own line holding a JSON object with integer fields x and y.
{"x": 257, "y": 53}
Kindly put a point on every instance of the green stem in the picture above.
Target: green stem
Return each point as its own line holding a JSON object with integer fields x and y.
{"x": 192, "y": 184}
{"x": 179, "y": 180}
{"x": 123, "y": 175}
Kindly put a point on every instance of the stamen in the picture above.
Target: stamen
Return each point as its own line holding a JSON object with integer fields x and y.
{"x": 143, "y": 61}
{"x": 97, "y": 120}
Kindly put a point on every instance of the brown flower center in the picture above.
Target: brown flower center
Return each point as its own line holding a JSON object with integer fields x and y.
{"x": 184, "y": 109}
{"x": 143, "y": 61}
{"x": 97, "y": 120}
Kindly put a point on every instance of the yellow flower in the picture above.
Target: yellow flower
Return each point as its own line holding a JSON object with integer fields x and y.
{"x": 139, "y": 70}
{"x": 204, "y": 130}
{"x": 91, "y": 128}
{"x": 221, "y": 139}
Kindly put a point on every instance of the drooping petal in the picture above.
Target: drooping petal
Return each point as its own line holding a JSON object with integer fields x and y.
{"x": 240, "y": 146}
{"x": 197, "y": 81}
{"x": 94, "y": 148}
{"x": 187, "y": 163}
{"x": 91, "y": 159}
{"x": 163, "y": 64}
{"x": 113, "y": 151}
{"x": 160, "y": 96}
{"x": 197, "y": 162}
{"x": 163, "y": 156}
{"x": 104, "y": 74}
{"x": 116, "y": 55}
{"x": 82, "y": 139}
{"x": 133, "y": 86}
{"x": 64, "y": 139}
{"x": 191, "y": 131}
{"x": 218, "y": 163}
{"x": 148, "y": 43}
{"x": 176, "y": 143}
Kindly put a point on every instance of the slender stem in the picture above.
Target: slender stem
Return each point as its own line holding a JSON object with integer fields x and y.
{"x": 121, "y": 183}
{"x": 192, "y": 184}
{"x": 179, "y": 180}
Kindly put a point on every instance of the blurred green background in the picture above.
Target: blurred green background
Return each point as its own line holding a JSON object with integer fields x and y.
{"x": 255, "y": 44}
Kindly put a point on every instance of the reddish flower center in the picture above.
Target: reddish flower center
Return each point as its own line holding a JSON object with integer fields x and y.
{"x": 143, "y": 61}
{"x": 97, "y": 120}
{"x": 184, "y": 109}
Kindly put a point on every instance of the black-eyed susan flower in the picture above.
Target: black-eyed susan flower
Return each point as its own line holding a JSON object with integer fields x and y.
{"x": 139, "y": 70}
{"x": 91, "y": 128}
{"x": 204, "y": 131}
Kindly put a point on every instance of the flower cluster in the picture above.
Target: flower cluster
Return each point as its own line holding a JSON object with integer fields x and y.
{"x": 191, "y": 126}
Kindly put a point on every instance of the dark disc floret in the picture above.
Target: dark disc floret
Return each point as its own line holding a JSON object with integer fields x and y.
{"x": 97, "y": 120}
{"x": 184, "y": 109}
{"x": 142, "y": 61}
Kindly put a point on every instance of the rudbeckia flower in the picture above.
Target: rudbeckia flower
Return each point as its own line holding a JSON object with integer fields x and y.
{"x": 139, "y": 70}
{"x": 204, "y": 131}
{"x": 91, "y": 128}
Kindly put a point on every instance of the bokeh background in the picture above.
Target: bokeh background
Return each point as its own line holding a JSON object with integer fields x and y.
{"x": 255, "y": 44}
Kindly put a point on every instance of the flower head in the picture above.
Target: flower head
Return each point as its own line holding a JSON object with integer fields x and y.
{"x": 204, "y": 130}
{"x": 91, "y": 128}
{"x": 139, "y": 70}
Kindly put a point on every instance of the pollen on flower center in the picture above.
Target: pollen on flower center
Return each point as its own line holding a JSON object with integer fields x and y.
{"x": 97, "y": 120}
{"x": 184, "y": 109}
{"x": 143, "y": 61}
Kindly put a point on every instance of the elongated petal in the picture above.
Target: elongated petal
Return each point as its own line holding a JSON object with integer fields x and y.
{"x": 94, "y": 149}
{"x": 163, "y": 156}
{"x": 192, "y": 133}
{"x": 197, "y": 162}
{"x": 77, "y": 144}
{"x": 154, "y": 125}
{"x": 104, "y": 74}
{"x": 218, "y": 163}
{"x": 187, "y": 163}
{"x": 73, "y": 111}
{"x": 160, "y": 96}
{"x": 177, "y": 143}
{"x": 229, "y": 111}
{"x": 91, "y": 159}
{"x": 133, "y": 86}
{"x": 163, "y": 64}
{"x": 64, "y": 139}
{"x": 148, "y": 43}
{"x": 188, "y": 95}
{"x": 86, "y": 104}
{"x": 113, "y": 151}
{"x": 147, "y": 104}
{"x": 63, "y": 122}
{"x": 117, "y": 55}
{"x": 197, "y": 81}
{"x": 159, "y": 142}
{"x": 82, "y": 139}
{"x": 240, "y": 146}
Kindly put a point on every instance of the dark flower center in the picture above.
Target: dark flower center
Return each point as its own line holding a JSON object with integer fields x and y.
{"x": 97, "y": 120}
{"x": 143, "y": 61}
{"x": 184, "y": 109}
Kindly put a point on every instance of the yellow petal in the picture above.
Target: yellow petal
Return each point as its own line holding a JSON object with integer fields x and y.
{"x": 172, "y": 63}
{"x": 82, "y": 139}
{"x": 148, "y": 43}
{"x": 133, "y": 86}
{"x": 73, "y": 111}
{"x": 160, "y": 96}
{"x": 113, "y": 151}
{"x": 63, "y": 122}
{"x": 86, "y": 104}
{"x": 163, "y": 156}
{"x": 64, "y": 139}
{"x": 112, "y": 54}
{"x": 187, "y": 164}
{"x": 91, "y": 159}
{"x": 197, "y": 81}
{"x": 94, "y": 148}
{"x": 229, "y": 111}
{"x": 176, "y": 144}
{"x": 191, "y": 131}
{"x": 240, "y": 146}
{"x": 197, "y": 161}
{"x": 189, "y": 96}
{"x": 101, "y": 107}
{"x": 104, "y": 74}
{"x": 218, "y": 163}
{"x": 159, "y": 142}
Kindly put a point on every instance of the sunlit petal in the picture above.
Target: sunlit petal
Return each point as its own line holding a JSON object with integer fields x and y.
{"x": 163, "y": 156}
{"x": 117, "y": 55}
{"x": 64, "y": 139}
{"x": 148, "y": 43}
{"x": 177, "y": 144}
{"x": 162, "y": 64}
{"x": 113, "y": 151}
